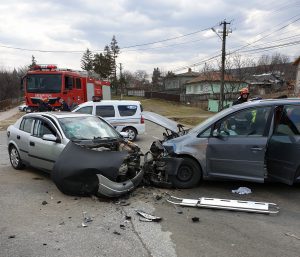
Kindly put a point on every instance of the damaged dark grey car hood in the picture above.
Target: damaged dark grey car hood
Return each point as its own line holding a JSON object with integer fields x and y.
{"x": 83, "y": 171}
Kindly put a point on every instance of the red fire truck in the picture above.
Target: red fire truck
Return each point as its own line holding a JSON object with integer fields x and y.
{"x": 49, "y": 82}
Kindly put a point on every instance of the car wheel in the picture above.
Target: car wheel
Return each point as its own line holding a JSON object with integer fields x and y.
{"x": 132, "y": 133}
{"x": 15, "y": 159}
{"x": 188, "y": 174}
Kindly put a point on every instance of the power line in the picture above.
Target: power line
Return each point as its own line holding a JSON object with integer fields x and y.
{"x": 126, "y": 47}
{"x": 245, "y": 46}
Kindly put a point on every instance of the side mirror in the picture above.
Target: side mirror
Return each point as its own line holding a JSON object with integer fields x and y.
{"x": 124, "y": 134}
{"x": 52, "y": 138}
{"x": 217, "y": 134}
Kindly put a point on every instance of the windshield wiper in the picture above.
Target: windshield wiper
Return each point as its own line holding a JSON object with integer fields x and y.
{"x": 75, "y": 139}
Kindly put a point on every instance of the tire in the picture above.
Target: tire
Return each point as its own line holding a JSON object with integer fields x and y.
{"x": 132, "y": 133}
{"x": 15, "y": 159}
{"x": 188, "y": 174}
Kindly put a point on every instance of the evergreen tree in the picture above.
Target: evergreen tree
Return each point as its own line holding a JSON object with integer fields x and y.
{"x": 115, "y": 50}
{"x": 33, "y": 62}
{"x": 102, "y": 65}
{"x": 156, "y": 79}
{"x": 87, "y": 61}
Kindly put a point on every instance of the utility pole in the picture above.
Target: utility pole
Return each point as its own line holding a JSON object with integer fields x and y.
{"x": 224, "y": 35}
{"x": 121, "y": 82}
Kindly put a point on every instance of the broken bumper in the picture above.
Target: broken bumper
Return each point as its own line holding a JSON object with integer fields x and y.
{"x": 110, "y": 188}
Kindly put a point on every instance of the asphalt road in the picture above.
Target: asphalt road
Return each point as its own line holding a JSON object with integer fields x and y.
{"x": 29, "y": 228}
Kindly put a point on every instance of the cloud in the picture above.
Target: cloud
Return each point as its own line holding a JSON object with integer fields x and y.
{"x": 78, "y": 24}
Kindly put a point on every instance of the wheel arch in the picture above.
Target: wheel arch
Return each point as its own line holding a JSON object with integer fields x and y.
{"x": 10, "y": 144}
{"x": 194, "y": 159}
{"x": 131, "y": 127}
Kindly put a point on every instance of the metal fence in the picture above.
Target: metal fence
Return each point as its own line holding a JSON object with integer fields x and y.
{"x": 164, "y": 96}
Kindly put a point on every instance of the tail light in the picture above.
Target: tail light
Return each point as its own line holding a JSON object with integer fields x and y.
{"x": 142, "y": 120}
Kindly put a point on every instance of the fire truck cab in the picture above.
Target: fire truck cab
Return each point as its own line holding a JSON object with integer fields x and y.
{"x": 49, "y": 82}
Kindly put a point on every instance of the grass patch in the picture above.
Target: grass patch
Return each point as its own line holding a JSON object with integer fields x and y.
{"x": 190, "y": 121}
{"x": 166, "y": 108}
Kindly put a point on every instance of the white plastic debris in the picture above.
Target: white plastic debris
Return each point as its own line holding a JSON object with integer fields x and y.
{"x": 242, "y": 191}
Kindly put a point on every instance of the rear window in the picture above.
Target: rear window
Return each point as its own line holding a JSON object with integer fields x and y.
{"x": 127, "y": 110}
{"x": 26, "y": 125}
{"x": 105, "y": 111}
{"x": 85, "y": 109}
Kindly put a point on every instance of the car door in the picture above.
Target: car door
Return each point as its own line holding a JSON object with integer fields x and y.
{"x": 22, "y": 136}
{"x": 237, "y": 148}
{"x": 284, "y": 146}
{"x": 43, "y": 153}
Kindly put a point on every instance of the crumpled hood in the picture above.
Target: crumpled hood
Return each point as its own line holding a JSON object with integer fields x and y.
{"x": 161, "y": 121}
{"x": 76, "y": 170}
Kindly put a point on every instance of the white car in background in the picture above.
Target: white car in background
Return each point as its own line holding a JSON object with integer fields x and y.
{"x": 22, "y": 107}
{"x": 123, "y": 115}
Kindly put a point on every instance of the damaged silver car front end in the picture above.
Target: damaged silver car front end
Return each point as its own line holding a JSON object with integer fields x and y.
{"x": 103, "y": 167}
{"x": 161, "y": 163}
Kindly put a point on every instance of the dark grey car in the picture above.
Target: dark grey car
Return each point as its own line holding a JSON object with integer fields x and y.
{"x": 255, "y": 141}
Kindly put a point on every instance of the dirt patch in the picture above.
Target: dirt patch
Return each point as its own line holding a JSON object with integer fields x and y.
{"x": 5, "y": 123}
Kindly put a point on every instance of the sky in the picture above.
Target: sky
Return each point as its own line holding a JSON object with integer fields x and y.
{"x": 172, "y": 35}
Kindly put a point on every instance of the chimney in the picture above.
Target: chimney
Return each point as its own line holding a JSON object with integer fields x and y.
{"x": 189, "y": 70}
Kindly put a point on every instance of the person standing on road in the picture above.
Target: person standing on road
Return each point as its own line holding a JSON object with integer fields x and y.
{"x": 44, "y": 106}
{"x": 244, "y": 94}
{"x": 64, "y": 106}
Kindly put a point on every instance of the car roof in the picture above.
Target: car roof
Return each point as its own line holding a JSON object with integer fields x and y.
{"x": 112, "y": 102}
{"x": 57, "y": 115}
{"x": 266, "y": 102}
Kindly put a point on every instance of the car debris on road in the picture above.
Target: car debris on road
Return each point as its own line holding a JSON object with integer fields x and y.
{"x": 148, "y": 217}
{"x": 226, "y": 204}
{"x": 242, "y": 191}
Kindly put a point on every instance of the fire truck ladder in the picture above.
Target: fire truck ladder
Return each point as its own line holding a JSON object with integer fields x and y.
{"x": 226, "y": 204}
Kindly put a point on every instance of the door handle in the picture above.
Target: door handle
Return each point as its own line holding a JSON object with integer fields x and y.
{"x": 31, "y": 143}
{"x": 256, "y": 148}
{"x": 18, "y": 137}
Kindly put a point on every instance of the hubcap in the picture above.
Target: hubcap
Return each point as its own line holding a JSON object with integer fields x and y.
{"x": 14, "y": 157}
{"x": 131, "y": 134}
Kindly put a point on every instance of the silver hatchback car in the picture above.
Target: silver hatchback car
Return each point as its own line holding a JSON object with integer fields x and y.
{"x": 255, "y": 141}
{"x": 84, "y": 154}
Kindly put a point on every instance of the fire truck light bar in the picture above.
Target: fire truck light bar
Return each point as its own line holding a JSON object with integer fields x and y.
{"x": 45, "y": 66}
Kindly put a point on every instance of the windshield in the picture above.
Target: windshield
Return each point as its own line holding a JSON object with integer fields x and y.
{"x": 209, "y": 120}
{"x": 44, "y": 83}
{"x": 87, "y": 128}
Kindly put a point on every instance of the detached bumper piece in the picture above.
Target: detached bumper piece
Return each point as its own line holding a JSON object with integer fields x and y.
{"x": 226, "y": 204}
{"x": 110, "y": 188}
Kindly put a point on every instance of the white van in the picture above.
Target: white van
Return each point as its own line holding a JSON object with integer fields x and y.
{"x": 123, "y": 115}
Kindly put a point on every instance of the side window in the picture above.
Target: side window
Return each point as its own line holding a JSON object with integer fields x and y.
{"x": 78, "y": 83}
{"x": 26, "y": 125}
{"x": 68, "y": 83}
{"x": 105, "y": 111}
{"x": 206, "y": 133}
{"x": 287, "y": 120}
{"x": 250, "y": 122}
{"x": 42, "y": 128}
{"x": 86, "y": 110}
{"x": 127, "y": 110}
